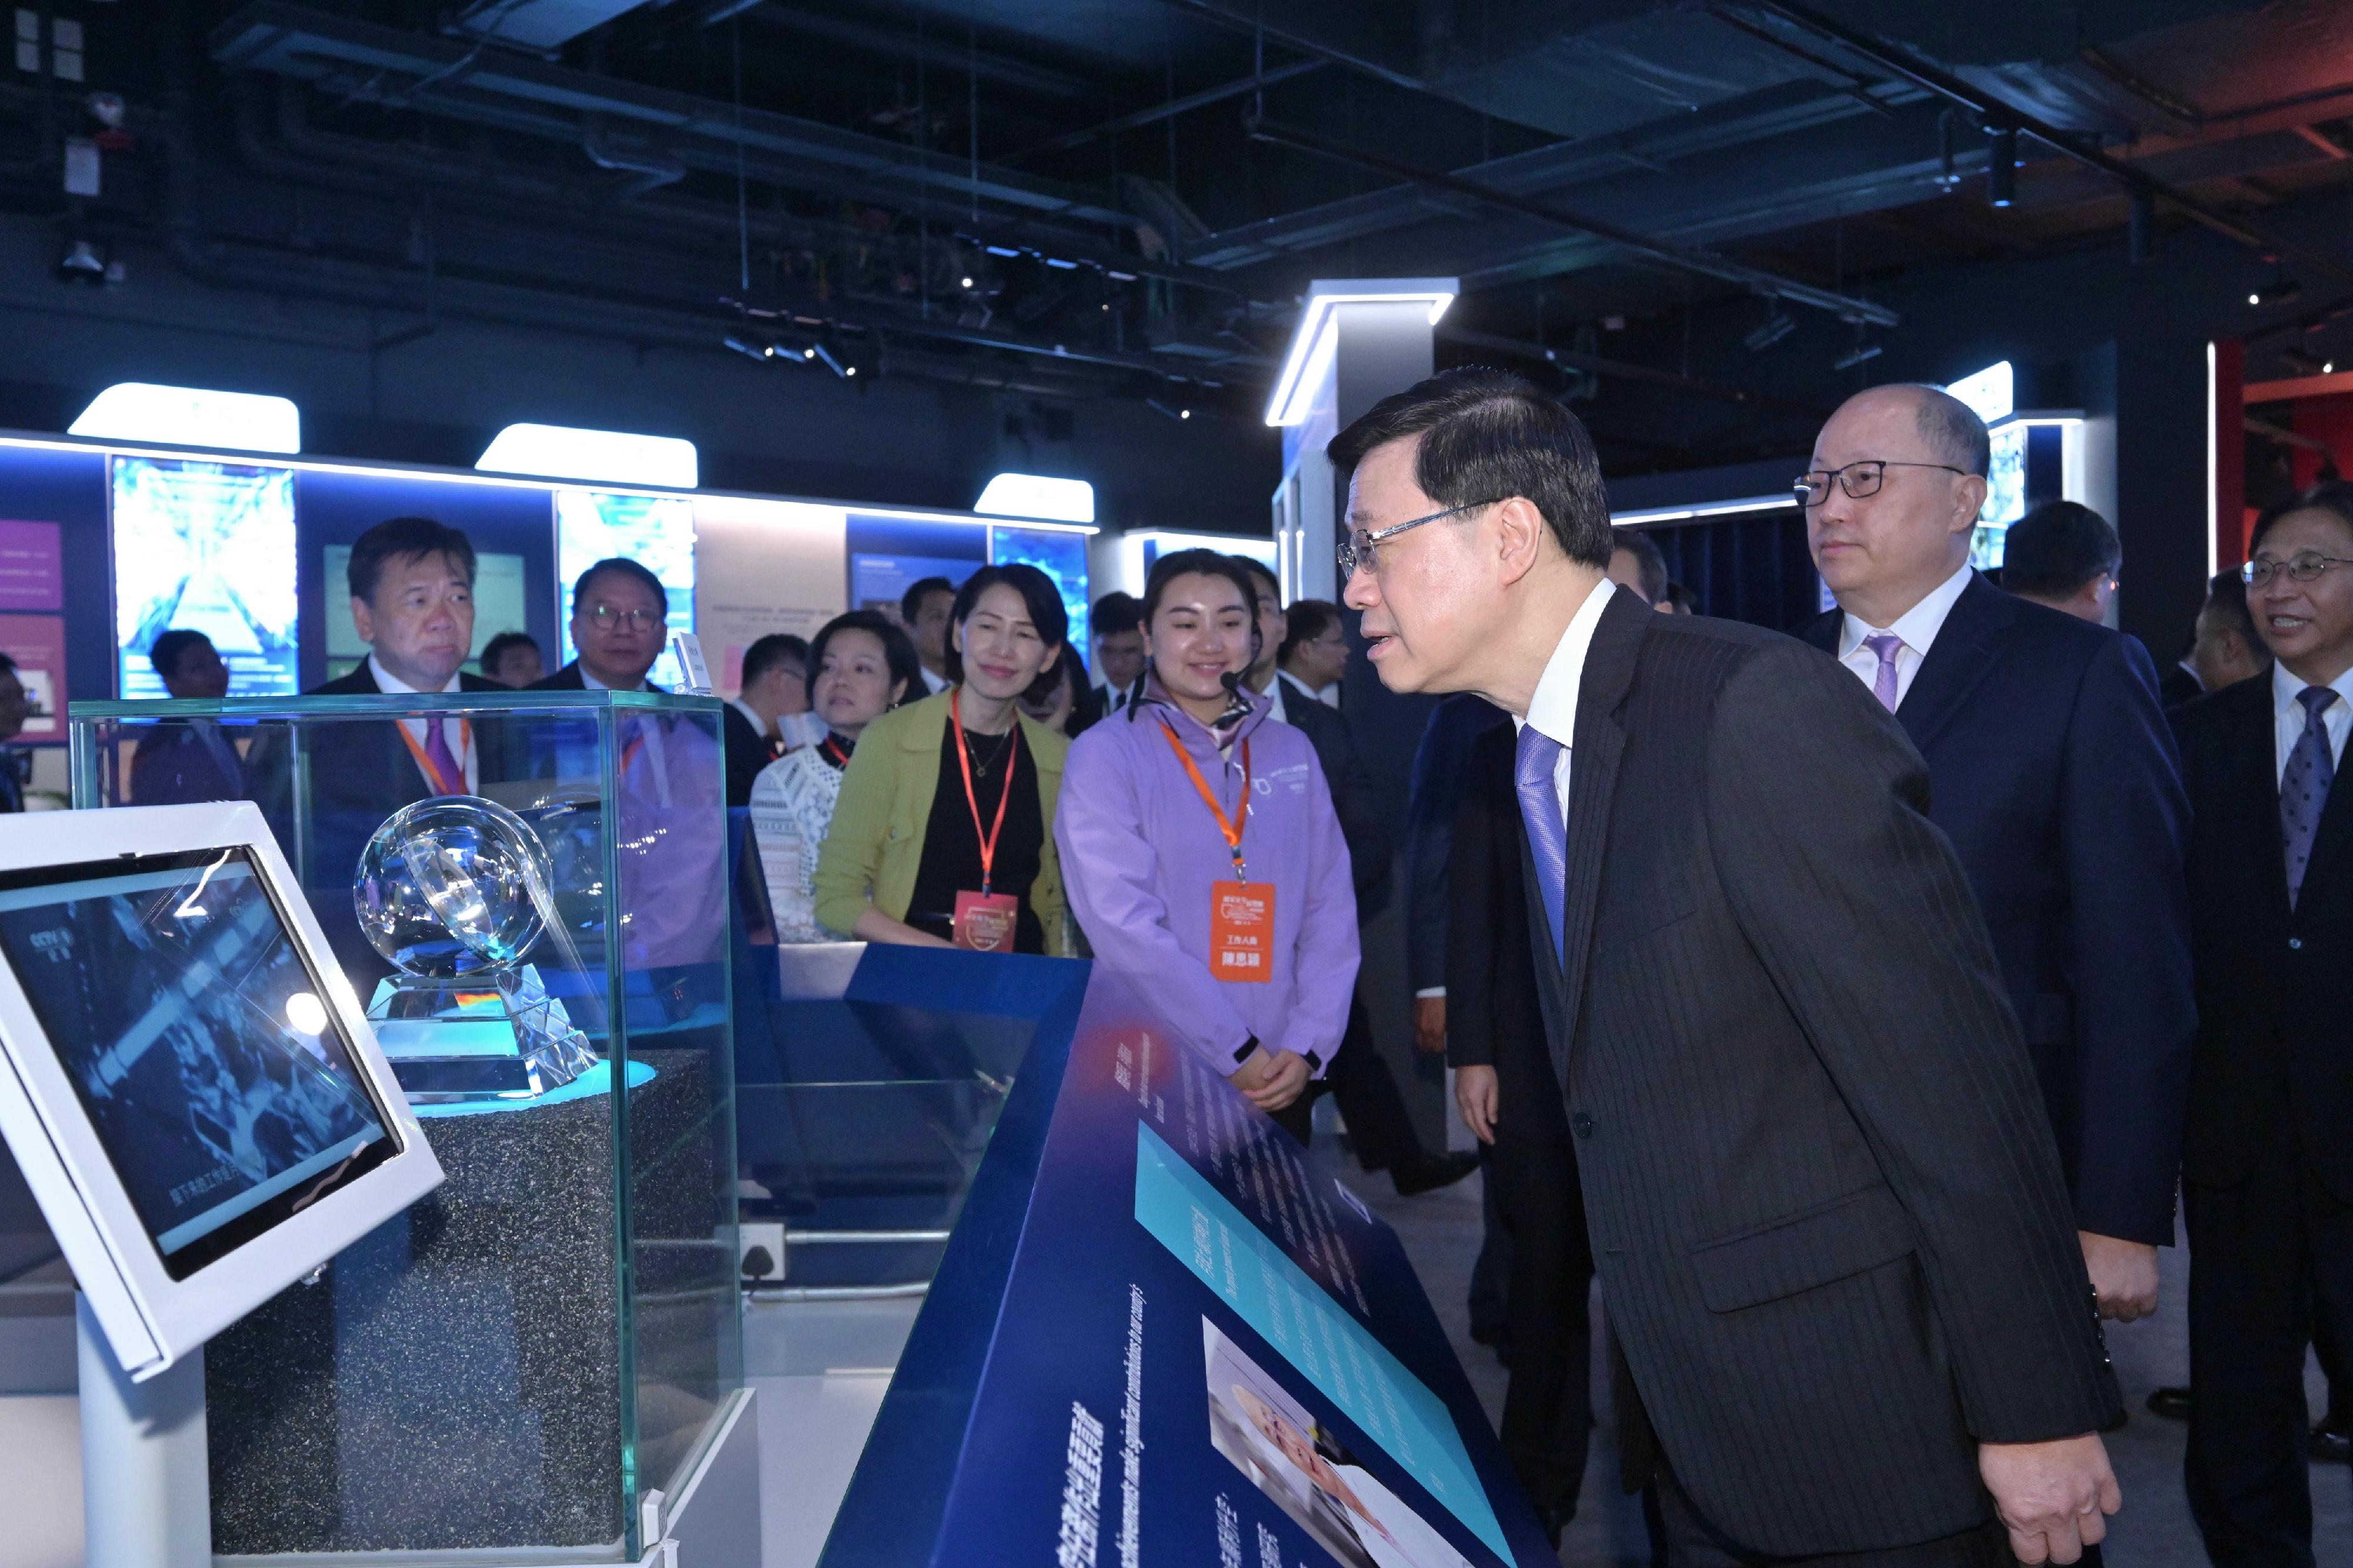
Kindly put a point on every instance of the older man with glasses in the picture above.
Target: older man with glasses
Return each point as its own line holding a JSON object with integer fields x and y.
{"x": 2054, "y": 774}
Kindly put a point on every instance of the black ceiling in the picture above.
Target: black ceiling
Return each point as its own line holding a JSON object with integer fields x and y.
{"x": 1125, "y": 197}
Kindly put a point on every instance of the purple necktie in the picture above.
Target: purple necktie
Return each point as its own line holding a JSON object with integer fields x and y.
{"x": 2304, "y": 786}
{"x": 1884, "y": 644}
{"x": 1536, "y": 764}
{"x": 449, "y": 778}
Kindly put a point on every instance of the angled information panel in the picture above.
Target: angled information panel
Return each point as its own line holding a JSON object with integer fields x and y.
{"x": 1159, "y": 1335}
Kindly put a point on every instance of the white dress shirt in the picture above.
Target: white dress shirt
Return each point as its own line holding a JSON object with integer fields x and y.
{"x": 2287, "y": 714}
{"x": 1273, "y": 695}
{"x": 456, "y": 733}
{"x": 1917, "y": 626}
{"x": 938, "y": 683}
{"x": 1553, "y": 709}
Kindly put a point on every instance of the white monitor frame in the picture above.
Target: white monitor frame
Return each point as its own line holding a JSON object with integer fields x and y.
{"x": 152, "y": 1319}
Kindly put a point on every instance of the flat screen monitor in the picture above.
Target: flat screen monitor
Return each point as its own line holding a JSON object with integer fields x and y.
{"x": 191, "y": 1092}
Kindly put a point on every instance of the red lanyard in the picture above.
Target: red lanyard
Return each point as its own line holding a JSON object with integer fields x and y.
{"x": 1231, "y": 827}
{"x": 841, "y": 758}
{"x": 964, "y": 755}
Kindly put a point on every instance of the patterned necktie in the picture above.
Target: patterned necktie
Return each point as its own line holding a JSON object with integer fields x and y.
{"x": 449, "y": 778}
{"x": 1884, "y": 644}
{"x": 2303, "y": 787}
{"x": 1537, "y": 761}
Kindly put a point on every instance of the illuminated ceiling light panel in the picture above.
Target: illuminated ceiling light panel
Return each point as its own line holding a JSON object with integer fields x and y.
{"x": 1316, "y": 338}
{"x": 1992, "y": 392}
{"x": 1037, "y": 495}
{"x": 614, "y": 456}
{"x": 192, "y": 416}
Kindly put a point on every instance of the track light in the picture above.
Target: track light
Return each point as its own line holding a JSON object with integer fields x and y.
{"x": 750, "y": 350}
{"x": 831, "y": 361}
{"x": 2275, "y": 293}
{"x": 967, "y": 282}
{"x": 1177, "y": 411}
{"x": 2001, "y": 165}
{"x": 1863, "y": 354}
{"x": 1774, "y": 328}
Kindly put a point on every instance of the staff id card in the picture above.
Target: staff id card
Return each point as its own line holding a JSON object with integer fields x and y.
{"x": 1241, "y": 930}
{"x": 986, "y": 922}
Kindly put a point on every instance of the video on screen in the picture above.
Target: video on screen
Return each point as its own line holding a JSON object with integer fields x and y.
{"x": 1304, "y": 1469}
{"x": 207, "y": 547}
{"x": 211, "y": 1072}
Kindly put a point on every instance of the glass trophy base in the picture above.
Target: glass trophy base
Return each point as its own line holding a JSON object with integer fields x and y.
{"x": 480, "y": 1037}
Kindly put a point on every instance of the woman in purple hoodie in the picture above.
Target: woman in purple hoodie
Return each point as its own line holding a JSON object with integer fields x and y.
{"x": 1238, "y": 926}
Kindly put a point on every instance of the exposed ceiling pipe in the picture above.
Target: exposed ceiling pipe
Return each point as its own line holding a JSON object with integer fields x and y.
{"x": 1168, "y": 110}
{"x": 1771, "y": 285}
{"x": 1901, "y": 62}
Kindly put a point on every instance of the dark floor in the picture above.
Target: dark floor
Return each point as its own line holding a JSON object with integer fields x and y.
{"x": 1440, "y": 1232}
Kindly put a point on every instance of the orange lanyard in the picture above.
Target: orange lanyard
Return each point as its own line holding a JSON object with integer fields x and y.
{"x": 1231, "y": 827}
{"x": 964, "y": 755}
{"x": 841, "y": 758}
{"x": 465, "y": 744}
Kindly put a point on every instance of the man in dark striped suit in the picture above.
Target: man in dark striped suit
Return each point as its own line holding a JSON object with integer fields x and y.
{"x": 1850, "y": 1320}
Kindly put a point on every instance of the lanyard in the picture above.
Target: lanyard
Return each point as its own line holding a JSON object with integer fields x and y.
{"x": 465, "y": 744}
{"x": 1231, "y": 827}
{"x": 964, "y": 755}
{"x": 841, "y": 758}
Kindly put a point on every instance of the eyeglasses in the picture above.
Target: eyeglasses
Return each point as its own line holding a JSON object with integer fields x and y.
{"x": 604, "y": 618}
{"x": 1859, "y": 480}
{"x": 1357, "y": 547}
{"x": 2303, "y": 569}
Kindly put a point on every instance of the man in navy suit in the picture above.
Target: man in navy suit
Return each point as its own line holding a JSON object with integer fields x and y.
{"x": 2053, "y": 772}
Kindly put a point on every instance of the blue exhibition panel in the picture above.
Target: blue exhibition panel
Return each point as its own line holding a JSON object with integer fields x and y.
{"x": 1157, "y": 1334}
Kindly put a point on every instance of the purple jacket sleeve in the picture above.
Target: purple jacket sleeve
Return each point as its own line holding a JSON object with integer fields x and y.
{"x": 1328, "y": 951}
{"x": 1108, "y": 869}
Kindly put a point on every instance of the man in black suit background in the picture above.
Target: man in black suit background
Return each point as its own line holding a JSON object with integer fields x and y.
{"x": 2268, "y": 1167}
{"x": 1847, "y": 1307}
{"x": 2063, "y": 556}
{"x": 1511, "y": 1099}
{"x": 184, "y": 760}
{"x": 2053, "y": 772}
{"x": 1361, "y": 1082}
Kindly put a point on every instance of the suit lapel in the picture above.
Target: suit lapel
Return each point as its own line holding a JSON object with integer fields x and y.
{"x": 1959, "y": 658}
{"x": 1592, "y": 786}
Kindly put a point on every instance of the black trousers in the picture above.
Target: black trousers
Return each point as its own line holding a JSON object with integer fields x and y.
{"x": 1359, "y": 1081}
{"x": 1531, "y": 1170}
{"x": 1692, "y": 1542}
{"x": 2270, "y": 1260}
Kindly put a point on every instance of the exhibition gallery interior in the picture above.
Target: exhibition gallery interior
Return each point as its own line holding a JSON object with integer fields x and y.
{"x": 861, "y": 784}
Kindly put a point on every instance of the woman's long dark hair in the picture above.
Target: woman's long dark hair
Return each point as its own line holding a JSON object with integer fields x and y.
{"x": 1038, "y": 596}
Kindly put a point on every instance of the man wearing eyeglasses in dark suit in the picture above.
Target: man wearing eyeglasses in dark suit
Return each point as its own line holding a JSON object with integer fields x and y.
{"x": 2267, "y": 1169}
{"x": 620, "y": 621}
{"x": 2051, "y": 769}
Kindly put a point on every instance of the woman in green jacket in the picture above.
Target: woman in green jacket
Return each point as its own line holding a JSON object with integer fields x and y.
{"x": 944, "y": 833}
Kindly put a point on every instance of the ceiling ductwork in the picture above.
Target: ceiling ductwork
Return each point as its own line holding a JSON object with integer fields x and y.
{"x": 543, "y": 24}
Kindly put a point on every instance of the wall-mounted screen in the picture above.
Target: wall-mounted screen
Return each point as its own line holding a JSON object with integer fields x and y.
{"x": 2005, "y": 500}
{"x": 655, "y": 532}
{"x": 1058, "y": 553}
{"x": 210, "y": 547}
{"x": 500, "y": 605}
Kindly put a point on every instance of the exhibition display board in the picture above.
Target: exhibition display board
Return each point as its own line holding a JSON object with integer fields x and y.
{"x": 520, "y": 1362}
{"x": 1158, "y": 1335}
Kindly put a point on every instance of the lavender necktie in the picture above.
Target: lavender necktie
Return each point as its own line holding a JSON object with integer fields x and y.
{"x": 2303, "y": 787}
{"x": 1884, "y": 644}
{"x": 449, "y": 778}
{"x": 1537, "y": 762}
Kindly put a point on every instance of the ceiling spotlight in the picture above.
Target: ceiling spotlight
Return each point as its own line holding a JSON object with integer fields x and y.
{"x": 848, "y": 371}
{"x": 2254, "y": 299}
{"x": 80, "y": 263}
{"x": 1862, "y": 355}
{"x": 751, "y": 350}
{"x": 2001, "y": 165}
{"x": 967, "y": 282}
{"x": 2276, "y": 293}
{"x": 2328, "y": 367}
{"x": 1172, "y": 410}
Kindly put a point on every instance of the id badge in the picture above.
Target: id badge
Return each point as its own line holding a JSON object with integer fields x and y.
{"x": 984, "y": 922}
{"x": 1241, "y": 930}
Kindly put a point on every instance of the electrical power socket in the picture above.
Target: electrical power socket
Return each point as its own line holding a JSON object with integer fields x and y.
{"x": 767, "y": 1236}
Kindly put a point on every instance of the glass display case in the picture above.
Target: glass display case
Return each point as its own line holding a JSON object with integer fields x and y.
{"x": 520, "y": 1362}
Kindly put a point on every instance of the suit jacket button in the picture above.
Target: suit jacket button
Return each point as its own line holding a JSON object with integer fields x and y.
{"x": 1582, "y": 1124}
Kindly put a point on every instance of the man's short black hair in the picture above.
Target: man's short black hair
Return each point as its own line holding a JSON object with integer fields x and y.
{"x": 1116, "y": 612}
{"x": 620, "y": 567}
{"x": 776, "y": 648}
{"x": 1038, "y": 596}
{"x": 1307, "y": 620}
{"x": 495, "y": 651}
{"x": 2226, "y": 596}
{"x": 1487, "y": 436}
{"x": 911, "y": 602}
{"x": 2332, "y": 496}
{"x": 164, "y": 654}
{"x": 1650, "y": 563}
{"x": 402, "y": 539}
{"x": 2054, "y": 550}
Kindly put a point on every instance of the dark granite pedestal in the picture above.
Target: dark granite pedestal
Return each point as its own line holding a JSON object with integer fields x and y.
{"x": 455, "y": 1380}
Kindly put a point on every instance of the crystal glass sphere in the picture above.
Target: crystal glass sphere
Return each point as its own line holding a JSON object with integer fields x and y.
{"x": 445, "y": 888}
